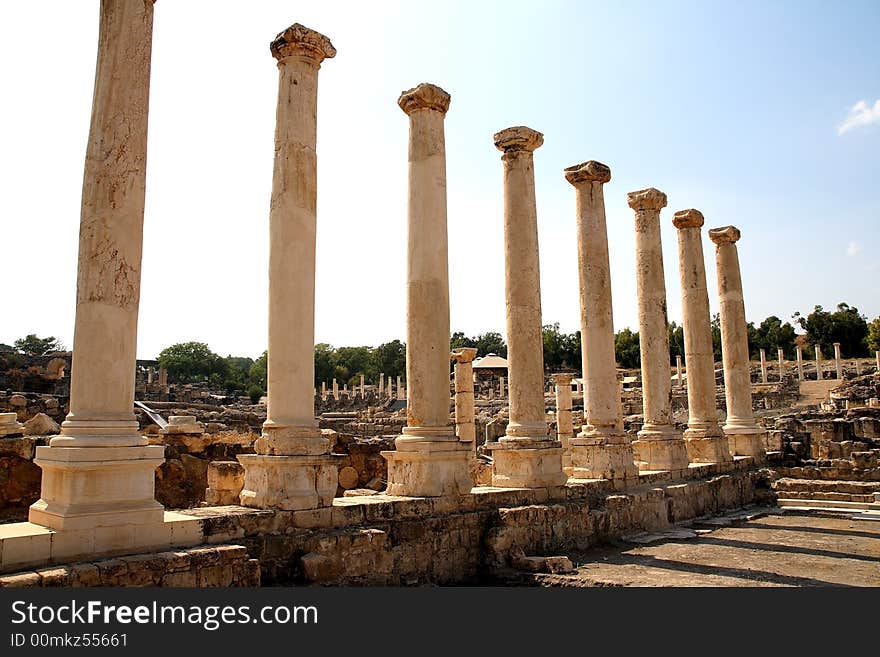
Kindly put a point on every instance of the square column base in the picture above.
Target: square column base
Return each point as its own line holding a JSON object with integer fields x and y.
{"x": 86, "y": 487}
{"x": 599, "y": 458}
{"x": 432, "y": 470}
{"x": 527, "y": 463}
{"x": 662, "y": 449}
{"x": 291, "y": 483}
{"x": 748, "y": 444}
{"x": 702, "y": 448}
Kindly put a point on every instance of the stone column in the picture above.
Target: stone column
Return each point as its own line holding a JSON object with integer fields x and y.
{"x": 323, "y": 390}
{"x": 99, "y": 470}
{"x": 292, "y": 468}
{"x": 501, "y": 391}
{"x": 381, "y": 390}
{"x": 163, "y": 376}
{"x": 763, "y": 366}
{"x": 800, "y": 362}
{"x": 400, "y": 387}
{"x": 363, "y": 387}
{"x": 659, "y": 445}
{"x": 858, "y": 367}
{"x": 335, "y": 390}
{"x": 564, "y": 426}
{"x": 679, "y": 380}
{"x": 465, "y": 426}
{"x": 705, "y": 440}
{"x": 818, "y": 350}
{"x": 390, "y": 391}
{"x": 525, "y": 456}
{"x": 601, "y": 450}
{"x": 745, "y": 437}
{"x": 877, "y": 360}
{"x": 149, "y": 375}
{"x": 780, "y": 355}
{"x": 430, "y": 460}
{"x": 837, "y": 367}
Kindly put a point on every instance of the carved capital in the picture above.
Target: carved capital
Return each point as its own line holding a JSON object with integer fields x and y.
{"x": 518, "y": 138}
{"x": 424, "y": 96}
{"x": 298, "y": 40}
{"x": 591, "y": 171}
{"x": 687, "y": 219}
{"x": 561, "y": 379}
{"x": 646, "y": 199}
{"x": 724, "y": 235}
{"x": 464, "y": 354}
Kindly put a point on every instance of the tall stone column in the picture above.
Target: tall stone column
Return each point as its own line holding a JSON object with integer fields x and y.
{"x": 818, "y": 350}
{"x": 837, "y": 368}
{"x": 800, "y": 362}
{"x": 763, "y": 355}
{"x": 99, "y": 470}
{"x": 525, "y": 456}
{"x": 465, "y": 426}
{"x": 564, "y": 426}
{"x": 362, "y": 387}
{"x": 335, "y": 390}
{"x": 780, "y": 356}
{"x": 292, "y": 468}
{"x": 659, "y": 445}
{"x": 745, "y": 437}
{"x": 390, "y": 388}
{"x": 679, "y": 379}
{"x": 601, "y": 450}
{"x": 430, "y": 460}
{"x": 501, "y": 392}
{"x": 705, "y": 440}
{"x": 381, "y": 390}
{"x": 400, "y": 387}
{"x": 323, "y": 390}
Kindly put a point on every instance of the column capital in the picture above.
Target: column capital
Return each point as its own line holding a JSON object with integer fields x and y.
{"x": 424, "y": 96}
{"x": 518, "y": 138}
{"x": 724, "y": 235}
{"x": 688, "y": 219}
{"x": 463, "y": 354}
{"x": 835, "y": 344}
{"x": 591, "y": 171}
{"x": 646, "y": 199}
{"x": 561, "y": 378}
{"x": 298, "y": 40}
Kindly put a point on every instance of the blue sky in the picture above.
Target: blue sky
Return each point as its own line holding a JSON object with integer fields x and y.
{"x": 734, "y": 109}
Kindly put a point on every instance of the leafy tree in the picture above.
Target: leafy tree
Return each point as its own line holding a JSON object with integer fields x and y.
{"x": 874, "y": 335}
{"x": 459, "y": 339}
{"x": 325, "y": 363}
{"x": 34, "y": 346}
{"x": 255, "y": 392}
{"x": 188, "y": 362}
{"x": 716, "y": 338}
{"x": 390, "y": 358}
{"x": 845, "y": 325}
{"x": 561, "y": 350}
{"x": 626, "y": 349}
{"x": 491, "y": 343}
{"x": 257, "y": 372}
{"x": 354, "y": 361}
{"x": 676, "y": 341}
{"x": 237, "y": 373}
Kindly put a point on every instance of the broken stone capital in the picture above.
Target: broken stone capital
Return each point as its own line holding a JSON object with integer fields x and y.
{"x": 724, "y": 235}
{"x": 646, "y": 200}
{"x": 588, "y": 172}
{"x": 518, "y": 138}
{"x": 424, "y": 97}
{"x": 464, "y": 354}
{"x": 300, "y": 41}
{"x": 688, "y": 219}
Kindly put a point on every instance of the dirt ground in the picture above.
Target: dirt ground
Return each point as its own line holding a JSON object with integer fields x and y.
{"x": 777, "y": 549}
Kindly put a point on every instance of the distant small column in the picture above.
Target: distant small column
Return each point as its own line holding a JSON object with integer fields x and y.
{"x": 335, "y": 390}
{"x": 800, "y": 362}
{"x": 780, "y": 353}
{"x": 678, "y": 376}
{"x": 149, "y": 375}
{"x": 400, "y": 387}
{"x": 345, "y": 389}
{"x": 323, "y": 390}
{"x": 363, "y": 386}
{"x": 564, "y": 426}
{"x": 163, "y": 375}
{"x": 837, "y": 368}
{"x": 501, "y": 391}
{"x": 744, "y": 436}
{"x": 877, "y": 360}
{"x": 818, "y": 363}
{"x": 465, "y": 427}
{"x": 858, "y": 367}
{"x": 763, "y": 366}
{"x": 390, "y": 388}
{"x": 381, "y": 391}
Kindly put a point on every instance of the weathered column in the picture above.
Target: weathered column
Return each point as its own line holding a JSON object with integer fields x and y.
{"x": 335, "y": 390}
{"x": 705, "y": 440}
{"x": 400, "y": 387}
{"x": 501, "y": 391}
{"x": 363, "y": 387}
{"x": 780, "y": 356}
{"x": 745, "y": 437}
{"x": 679, "y": 380}
{"x": 292, "y": 468}
{"x": 381, "y": 390}
{"x": 858, "y": 367}
{"x": 149, "y": 375}
{"x": 525, "y": 456}
{"x": 163, "y": 376}
{"x": 390, "y": 391}
{"x": 564, "y": 426}
{"x": 430, "y": 460}
{"x": 763, "y": 366}
{"x": 818, "y": 350}
{"x": 800, "y": 362}
{"x": 465, "y": 426}
{"x": 837, "y": 367}
{"x": 659, "y": 445}
{"x": 601, "y": 450}
{"x": 99, "y": 470}
{"x": 323, "y": 390}
{"x": 877, "y": 360}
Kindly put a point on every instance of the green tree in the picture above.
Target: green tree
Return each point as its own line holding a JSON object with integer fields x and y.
{"x": 237, "y": 373}
{"x": 490, "y": 343}
{"x": 325, "y": 363}
{"x": 188, "y": 362}
{"x": 626, "y": 349}
{"x": 772, "y": 334}
{"x": 257, "y": 372}
{"x": 354, "y": 361}
{"x": 676, "y": 341}
{"x": 459, "y": 339}
{"x": 874, "y": 335}
{"x": 34, "y": 346}
{"x": 561, "y": 350}
{"x": 716, "y": 338}
{"x": 845, "y": 325}
{"x": 390, "y": 358}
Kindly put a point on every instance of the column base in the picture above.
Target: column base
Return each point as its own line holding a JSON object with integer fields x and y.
{"x": 86, "y": 487}
{"x": 707, "y": 446}
{"x": 527, "y": 463}
{"x": 749, "y": 442}
{"x": 602, "y": 457}
{"x": 290, "y": 483}
{"x": 660, "y": 447}
{"x": 429, "y": 462}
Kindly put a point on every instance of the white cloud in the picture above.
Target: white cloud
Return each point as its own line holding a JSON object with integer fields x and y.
{"x": 853, "y": 249}
{"x": 860, "y": 114}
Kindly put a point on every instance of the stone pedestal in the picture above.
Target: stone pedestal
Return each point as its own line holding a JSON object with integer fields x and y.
{"x": 99, "y": 471}
{"x": 9, "y": 425}
{"x": 182, "y": 424}
{"x": 659, "y": 445}
{"x": 292, "y": 468}
{"x": 705, "y": 441}
{"x": 525, "y": 456}
{"x": 745, "y": 437}
{"x": 225, "y": 483}
{"x": 430, "y": 460}
{"x": 601, "y": 450}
